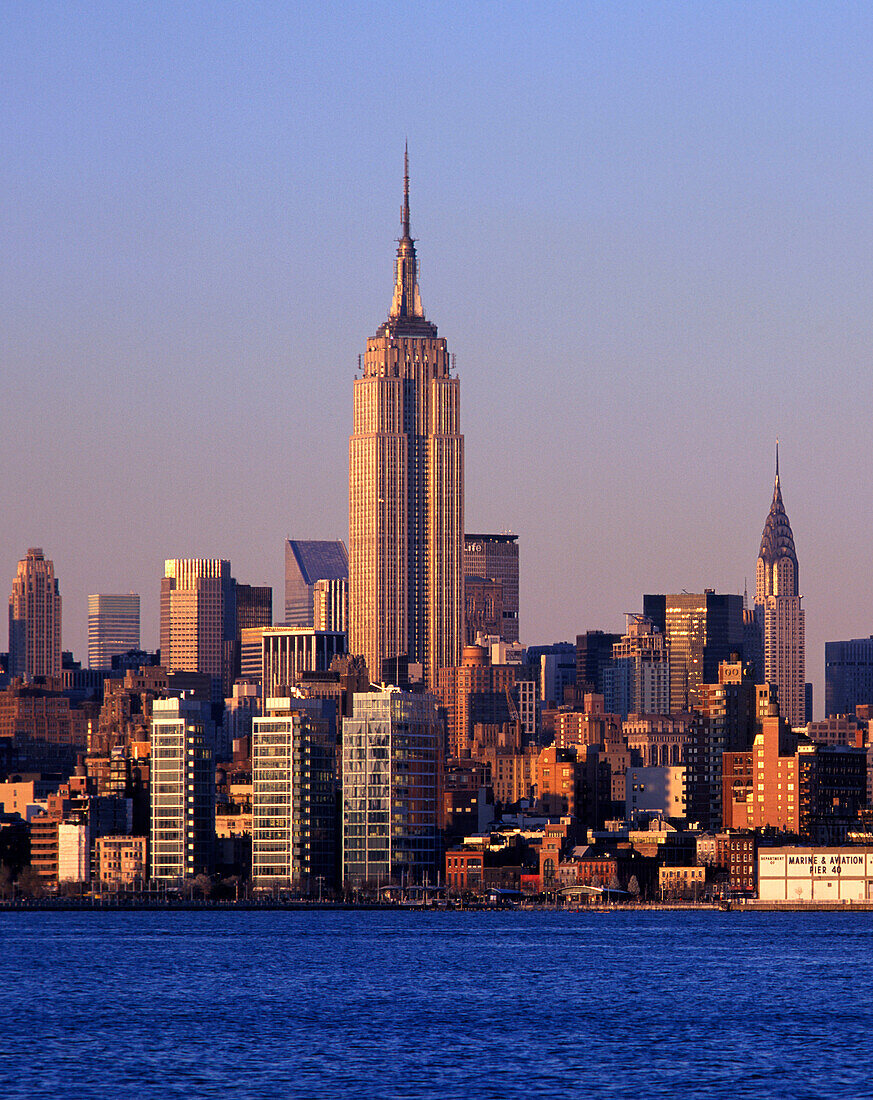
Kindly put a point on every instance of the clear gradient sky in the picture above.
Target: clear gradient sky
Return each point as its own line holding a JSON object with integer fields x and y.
{"x": 644, "y": 229}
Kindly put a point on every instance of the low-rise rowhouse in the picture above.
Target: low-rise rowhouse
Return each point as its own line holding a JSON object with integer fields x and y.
{"x": 815, "y": 874}
{"x": 681, "y": 880}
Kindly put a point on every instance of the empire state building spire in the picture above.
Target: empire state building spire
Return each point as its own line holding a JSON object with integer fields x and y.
{"x": 406, "y": 491}
{"x": 406, "y": 316}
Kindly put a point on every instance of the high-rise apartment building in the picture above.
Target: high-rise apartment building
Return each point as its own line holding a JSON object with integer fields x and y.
{"x": 787, "y": 781}
{"x": 702, "y": 629}
{"x": 392, "y": 788}
{"x": 198, "y": 620}
{"x": 848, "y": 675}
{"x": 476, "y": 691}
{"x": 495, "y": 558}
{"x": 182, "y": 780}
{"x": 406, "y": 490}
{"x": 638, "y": 679}
{"x": 308, "y": 562}
{"x": 35, "y": 619}
{"x": 593, "y": 655}
{"x": 113, "y": 627}
{"x": 293, "y": 795}
{"x": 779, "y": 611}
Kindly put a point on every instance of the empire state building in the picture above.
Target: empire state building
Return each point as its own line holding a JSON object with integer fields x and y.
{"x": 406, "y": 489}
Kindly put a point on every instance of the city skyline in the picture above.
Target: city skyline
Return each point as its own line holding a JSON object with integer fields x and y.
{"x": 629, "y": 279}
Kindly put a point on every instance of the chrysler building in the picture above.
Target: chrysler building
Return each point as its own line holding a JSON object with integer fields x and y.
{"x": 779, "y": 612}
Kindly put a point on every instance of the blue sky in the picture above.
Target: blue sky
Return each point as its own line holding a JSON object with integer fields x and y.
{"x": 644, "y": 229}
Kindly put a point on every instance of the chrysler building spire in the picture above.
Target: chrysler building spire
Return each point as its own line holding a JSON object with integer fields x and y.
{"x": 779, "y": 611}
{"x": 777, "y": 573}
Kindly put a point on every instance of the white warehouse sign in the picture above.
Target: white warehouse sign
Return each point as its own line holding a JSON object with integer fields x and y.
{"x": 815, "y": 874}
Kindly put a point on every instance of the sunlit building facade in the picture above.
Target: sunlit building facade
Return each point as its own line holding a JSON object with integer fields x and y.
{"x": 495, "y": 558}
{"x": 198, "y": 620}
{"x": 406, "y": 490}
{"x": 35, "y": 619}
{"x": 182, "y": 782}
{"x": 701, "y": 629}
{"x": 113, "y": 627}
{"x": 779, "y": 611}
{"x": 293, "y": 795}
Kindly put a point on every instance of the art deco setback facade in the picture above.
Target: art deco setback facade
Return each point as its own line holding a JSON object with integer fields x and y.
{"x": 778, "y": 610}
{"x": 35, "y": 619}
{"x": 406, "y": 490}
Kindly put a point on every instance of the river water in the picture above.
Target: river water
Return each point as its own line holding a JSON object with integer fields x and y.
{"x": 409, "y": 1004}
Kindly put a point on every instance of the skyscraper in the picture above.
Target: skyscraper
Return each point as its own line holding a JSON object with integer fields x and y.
{"x": 406, "y": 489}
{"x": 495, "y": 558}
{"x": 848, "y": 675}
{"x": 293, "y": 794}
{"x": 113, "y": 627}
{"x": 182, "y": 784}
{"x": 198, "y": 620}
{"x": 702, "y": 629}
{"x": 35, "y": 618}
{"x": 308, "y": 561}
{"x": 779, "y": 612}
{"x": 638, "y": 679}
{"x": 392, "y": 788}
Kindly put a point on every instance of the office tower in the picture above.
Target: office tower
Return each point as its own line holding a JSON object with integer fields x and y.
{"x": 254, "y": 606}
{"x": 293, "y": 795}
{"x": 753, "y": 640}
{"x": 593, "y": 654}
{"x": 198, "y": 620}
{"x": 779, "y": 611}
{"x": 330, "y": 605}
{"x": 392, "y": 789}
{"x": 848, "y": 675}
{"x": 182, "y": 789}
{"x": 495, "y": 558}
{"x": 701, "y": 629}
{"x": 638, "y": 679}
{"x": 113, "y": 627}
{"x": 406, "y": 490}
{"x": 308, "y": 561}
{"x": 735, "y": 705}
{"x": 35, "y": 619}
{"x": 289, "y": 652}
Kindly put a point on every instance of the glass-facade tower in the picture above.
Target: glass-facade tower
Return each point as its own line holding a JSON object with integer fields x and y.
{"x": 182, "y": 784}
{"x": 392, "y": 789}
{"x": 293, "y": 795}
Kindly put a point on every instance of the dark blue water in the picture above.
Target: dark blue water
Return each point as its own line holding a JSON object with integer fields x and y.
{"x": 364, "y": 1004}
